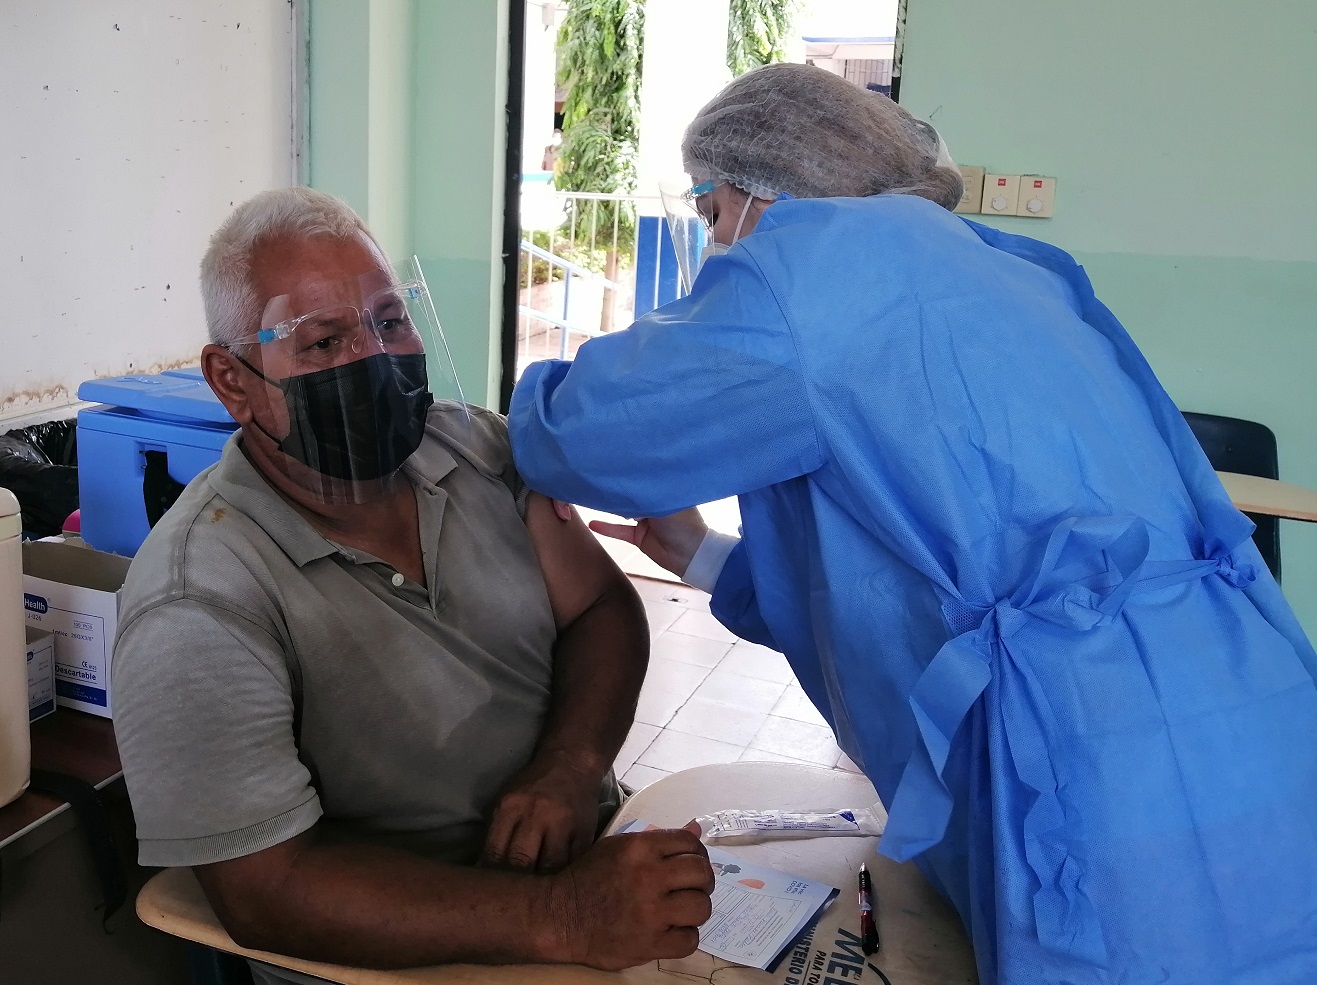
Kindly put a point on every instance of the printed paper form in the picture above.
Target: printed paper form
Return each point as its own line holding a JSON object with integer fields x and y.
{"x": 757, "y": 912}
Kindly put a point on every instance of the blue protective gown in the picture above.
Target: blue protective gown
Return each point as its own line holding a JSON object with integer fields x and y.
{"x": 1000, "y": 566}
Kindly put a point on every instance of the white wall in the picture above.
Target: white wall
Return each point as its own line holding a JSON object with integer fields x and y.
{"x": 685, "y": 67}
{"x": 130, "y": 129}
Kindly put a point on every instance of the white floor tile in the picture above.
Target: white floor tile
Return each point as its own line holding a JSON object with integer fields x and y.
{"x": 667, "y": 687}
{"x": 794, "y": 704}
{"x": 739, "y": 690}
{"x": 800, "y": 740}
{"x": 702, "y": 624}
{"x": 638, "y": 777}
{"x": 662, "y": 615}
{"x": 688, "y": 649}
{"x": 678, "y": 593}
{"x": 759, "y": 662}
{"x": 659, "y": 591}
{"x": 637, "y": 741}
{"x": 844, "y": 763}
{"x": 675, "y": 751}
{"x": 693, "y": 598}
{"x": 723, "y": 516}
{"x": 716, "y": 720}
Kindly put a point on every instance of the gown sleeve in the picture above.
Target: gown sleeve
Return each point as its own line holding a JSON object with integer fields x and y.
{"x": 735, "y": 605}
{"x": 701, "y": 399}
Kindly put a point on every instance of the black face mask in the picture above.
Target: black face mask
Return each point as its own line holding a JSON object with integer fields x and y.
{"x": 359, "y": 421}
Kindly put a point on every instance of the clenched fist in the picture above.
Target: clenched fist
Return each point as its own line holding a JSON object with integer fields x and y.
{"x": 633, "y": 898}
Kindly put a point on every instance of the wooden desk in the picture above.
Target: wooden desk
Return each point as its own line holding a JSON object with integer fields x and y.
{"x": 69, "y": 742}
{"x": 1270, "y": 497}
{"x": 53, "y": 929}
{"x": 922, "y": 940}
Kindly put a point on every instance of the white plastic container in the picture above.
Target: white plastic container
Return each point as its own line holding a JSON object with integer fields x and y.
{"x": 15, "y": 741}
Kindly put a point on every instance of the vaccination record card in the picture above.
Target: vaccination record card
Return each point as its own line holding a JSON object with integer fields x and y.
{"x": 757, "y": 912}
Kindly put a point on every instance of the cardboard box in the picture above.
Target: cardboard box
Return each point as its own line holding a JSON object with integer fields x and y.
{"x": 73, "y": 594}
{"x": 40, "y": 674}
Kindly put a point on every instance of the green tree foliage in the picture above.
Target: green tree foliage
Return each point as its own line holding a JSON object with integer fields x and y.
{"x": 601, "y": 50}
{"x": 757, "y": 32}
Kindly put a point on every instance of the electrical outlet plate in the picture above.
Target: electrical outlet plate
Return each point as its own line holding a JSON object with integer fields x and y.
{"x": 1001, "y": 194}
{"x": 972, "y": 199}
{"x": 1037, "y": 196}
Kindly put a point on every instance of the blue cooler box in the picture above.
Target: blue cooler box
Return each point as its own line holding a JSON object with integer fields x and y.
{"x": 175, "y": 413}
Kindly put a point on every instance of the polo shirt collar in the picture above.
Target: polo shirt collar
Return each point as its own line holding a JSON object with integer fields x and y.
{"x": 430, "y": 462}
{"x": 240, "y": 483}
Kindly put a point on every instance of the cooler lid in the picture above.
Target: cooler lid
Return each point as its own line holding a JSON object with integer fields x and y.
{"x": 187, "y": 373}
{"x": 163, "y": 396}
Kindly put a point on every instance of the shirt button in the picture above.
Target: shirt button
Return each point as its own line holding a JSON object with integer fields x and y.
{"x": 397, "y": 579}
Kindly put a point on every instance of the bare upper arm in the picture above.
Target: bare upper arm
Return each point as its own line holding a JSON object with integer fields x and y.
{"x": 577, "y": 571}
{"x": 243, "y": 890}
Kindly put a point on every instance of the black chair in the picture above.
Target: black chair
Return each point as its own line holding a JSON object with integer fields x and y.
{"x": 1249, "y": 448}
{"x": 206, "y": 966}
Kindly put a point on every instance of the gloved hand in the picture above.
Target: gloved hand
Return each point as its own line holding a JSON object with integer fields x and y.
{"x": 670, "y": 541}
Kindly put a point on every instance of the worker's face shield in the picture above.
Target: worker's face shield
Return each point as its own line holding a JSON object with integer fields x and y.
{"x": 691, "y": 229}
{"x": 696, "y": 241}
{"x": 349, "y": 366}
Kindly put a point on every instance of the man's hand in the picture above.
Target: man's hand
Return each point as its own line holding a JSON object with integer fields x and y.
{"x": 670, "y": 541}
{"x": 545, "y": 818}
{"x": 634, "y": 898}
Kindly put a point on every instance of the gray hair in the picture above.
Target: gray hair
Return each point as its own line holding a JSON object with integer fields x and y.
{"x": 233, "y": 310}
{"x": 798, "y": 129}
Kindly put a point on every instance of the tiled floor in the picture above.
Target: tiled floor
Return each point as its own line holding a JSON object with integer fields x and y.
{"x": 711, "y": 698}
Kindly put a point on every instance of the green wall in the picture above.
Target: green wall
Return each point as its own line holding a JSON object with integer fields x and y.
{"x": 406, "y": 123}
{"x": 1183, "y": 141}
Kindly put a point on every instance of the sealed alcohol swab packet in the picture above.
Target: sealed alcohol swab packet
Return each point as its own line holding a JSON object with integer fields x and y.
{"x": 868, "y": 821}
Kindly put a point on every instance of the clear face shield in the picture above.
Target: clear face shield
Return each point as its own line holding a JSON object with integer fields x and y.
{"x": 691, "y": 224}
{"x": 690, "y": 229}
{"x": 351, "y": 366}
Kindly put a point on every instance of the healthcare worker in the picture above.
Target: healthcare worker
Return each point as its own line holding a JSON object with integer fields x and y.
{"x": 983, "y": 535}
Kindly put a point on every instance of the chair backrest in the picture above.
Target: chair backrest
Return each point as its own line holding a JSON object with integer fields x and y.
{"x": 1249, "y": 448}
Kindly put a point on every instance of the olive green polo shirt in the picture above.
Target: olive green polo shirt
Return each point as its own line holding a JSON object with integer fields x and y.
{"x": 417, "y": 703}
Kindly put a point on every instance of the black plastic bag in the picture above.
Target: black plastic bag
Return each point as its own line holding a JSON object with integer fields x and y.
{"x": 56, "y": 441}
{"x": 39, "y": 465}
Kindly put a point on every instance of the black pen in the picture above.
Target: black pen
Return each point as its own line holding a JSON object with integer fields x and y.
{"x": 868, "y": 916}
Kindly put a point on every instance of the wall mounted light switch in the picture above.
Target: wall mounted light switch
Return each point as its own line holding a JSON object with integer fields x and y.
{"x": 1037, "y": 196}
{"x": 1001, "y": 194}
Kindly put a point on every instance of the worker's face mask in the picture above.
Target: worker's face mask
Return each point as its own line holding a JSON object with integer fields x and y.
{"x": 714, "y": 248}
{"x": 349, "y": 392}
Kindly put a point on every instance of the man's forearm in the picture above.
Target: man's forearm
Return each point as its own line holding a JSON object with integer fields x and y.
{"x": 599, "y": 666}
{"x": 380, "y": 908}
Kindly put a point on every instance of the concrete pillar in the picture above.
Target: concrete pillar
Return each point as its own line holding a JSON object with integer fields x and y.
{"x": 407, "y": 123}
{"x": 543, "y": 19}
{"x": 685, "y": 67}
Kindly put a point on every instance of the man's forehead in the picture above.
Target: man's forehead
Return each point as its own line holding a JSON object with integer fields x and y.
{"x": 316, "y": 293}
{"x": 318, "y": 267}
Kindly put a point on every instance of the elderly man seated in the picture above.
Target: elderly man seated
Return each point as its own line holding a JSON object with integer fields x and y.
{"x": 358, "y": 655}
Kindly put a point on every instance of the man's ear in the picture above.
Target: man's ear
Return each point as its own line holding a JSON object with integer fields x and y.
{"x": 226, "y": 378}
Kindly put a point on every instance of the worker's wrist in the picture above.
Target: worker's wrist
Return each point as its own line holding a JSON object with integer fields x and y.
{"x": 707, "y": 562}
